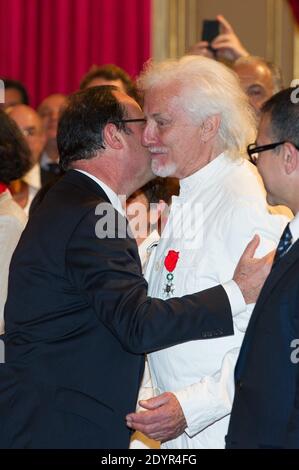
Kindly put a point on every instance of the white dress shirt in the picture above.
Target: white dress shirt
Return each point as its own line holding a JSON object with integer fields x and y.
{"x": 294, "y": 227}
{"x": 12, "y": 223}
{"x": 219, "y": 209}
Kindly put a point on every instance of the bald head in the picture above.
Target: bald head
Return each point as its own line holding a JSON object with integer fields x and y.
{"x": 31, "y": 126}
{"x": 259, "y": 79}
{"x": 49, "y": 111}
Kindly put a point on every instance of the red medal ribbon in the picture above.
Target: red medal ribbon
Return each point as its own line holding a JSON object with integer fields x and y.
{"x": 3, "y": 187}
{"x": 171, "y": 260}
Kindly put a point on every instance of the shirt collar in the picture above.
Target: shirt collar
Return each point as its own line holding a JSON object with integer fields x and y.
{"x": 112, "y": 196}
{"x": 207, "y": 174}
{"x": 32, "y": 177}
{"x": 294, "y": 227}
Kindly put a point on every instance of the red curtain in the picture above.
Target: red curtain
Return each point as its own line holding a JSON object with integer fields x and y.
{"x": 295, "y": 7}
{"x": 50, "y": 44}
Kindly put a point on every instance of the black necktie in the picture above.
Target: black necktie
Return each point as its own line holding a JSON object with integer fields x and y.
{"x": 284, "y": 244}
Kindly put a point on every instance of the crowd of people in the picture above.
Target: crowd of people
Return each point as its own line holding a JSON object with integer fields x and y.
{"x": 149, "y": 253}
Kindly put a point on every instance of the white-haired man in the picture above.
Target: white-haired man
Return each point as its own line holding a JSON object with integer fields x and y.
{"x": 199, "y": 123}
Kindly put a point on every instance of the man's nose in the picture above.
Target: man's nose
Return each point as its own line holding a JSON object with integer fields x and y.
{"x": 149, "y": 135}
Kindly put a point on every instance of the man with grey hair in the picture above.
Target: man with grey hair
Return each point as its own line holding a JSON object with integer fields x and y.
{"x": 199, "y": 123}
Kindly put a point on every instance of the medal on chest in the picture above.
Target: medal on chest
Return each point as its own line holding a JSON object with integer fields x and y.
{"x": 170, "y": 263}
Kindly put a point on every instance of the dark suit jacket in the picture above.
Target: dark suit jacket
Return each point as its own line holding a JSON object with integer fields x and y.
{"x": 78, "y": 321}
{"x": 49, "y": 177}
{"x": 265, "y": 411}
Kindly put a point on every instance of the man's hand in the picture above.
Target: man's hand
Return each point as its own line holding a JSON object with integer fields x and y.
{"x": 201, "y": 48}
{"x": 164, "y": 419}
{"x": 251, "y": 273}
{"x": 227, "y": 44}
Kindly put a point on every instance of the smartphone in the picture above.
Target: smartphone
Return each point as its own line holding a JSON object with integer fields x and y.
{"x": 210, "y": 30}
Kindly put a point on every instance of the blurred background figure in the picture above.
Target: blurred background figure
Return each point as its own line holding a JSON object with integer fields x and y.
{"x": 30, "y": 124}
{"x": 49, "y": 111}
{"x": 15, "y": 93}
{"x": 110, "y": 74}
{"x": 260, "y": 79}
{"x": 14, "y": 162}
{"x": 147, "y": 212}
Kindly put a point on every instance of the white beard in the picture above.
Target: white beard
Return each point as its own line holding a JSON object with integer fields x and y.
{"x": 163, "y": 170}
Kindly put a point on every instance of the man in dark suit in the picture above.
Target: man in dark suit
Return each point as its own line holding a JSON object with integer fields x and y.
{"x": 78, "y": 319}
{"x": 265, "y": 411}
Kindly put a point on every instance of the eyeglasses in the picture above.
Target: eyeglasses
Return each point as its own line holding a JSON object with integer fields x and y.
{"x": 131, "y": 120}
{"x": 253, "y": 150}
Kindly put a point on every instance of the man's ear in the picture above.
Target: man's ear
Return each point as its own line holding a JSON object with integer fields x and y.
{"x": 112, "y": 136}
{"x": 210, "y": 127}
{"x": 290, "y": 158}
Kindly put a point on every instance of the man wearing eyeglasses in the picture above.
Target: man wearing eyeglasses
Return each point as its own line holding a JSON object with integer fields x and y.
{"x": 265, "y": 411}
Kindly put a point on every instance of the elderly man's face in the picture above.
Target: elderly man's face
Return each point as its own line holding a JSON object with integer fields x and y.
{"x": 256, "y": 80}
{"x": 137, "y": 160}
{"x": 171, "y": 136}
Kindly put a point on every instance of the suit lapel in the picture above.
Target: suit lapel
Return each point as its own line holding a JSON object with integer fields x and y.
{"x": 274, "y": 277}
{"x": 278, "y": 272}
{"x": 86, "y": 183}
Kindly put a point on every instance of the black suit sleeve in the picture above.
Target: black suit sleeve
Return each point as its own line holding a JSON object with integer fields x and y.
{"x": 107, "y": 273}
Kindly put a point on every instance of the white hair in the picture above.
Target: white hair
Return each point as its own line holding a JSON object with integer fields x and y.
{"x": 207, "y": 88}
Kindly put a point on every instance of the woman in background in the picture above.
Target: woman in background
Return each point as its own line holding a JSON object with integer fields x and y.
{"x": 14, "y": 163}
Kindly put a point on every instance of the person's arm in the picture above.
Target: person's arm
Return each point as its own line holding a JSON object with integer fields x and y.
{"x": 108, "y": 274}
{"x": 202, "y": 403}
{"x": 191, "y": 409}
{"x": 227, "y": 44}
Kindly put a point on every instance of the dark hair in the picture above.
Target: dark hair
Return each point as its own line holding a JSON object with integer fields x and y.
{"x": 110, "y": 72}
{"x": 14, "y": 151}
{"x": 283, "y": 109}
{"x": 159, "y": 188}
{"x": 80, "y": 128}
{"x": 9, "y": 83}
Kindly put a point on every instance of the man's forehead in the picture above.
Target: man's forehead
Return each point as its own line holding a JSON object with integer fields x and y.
{"x": 53, "y": 101}
{"x": 253, "y": 72}
{"x": 25, "y": 114}
{"x": 162, "y": 99}
{"x": 126, "y": 100}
